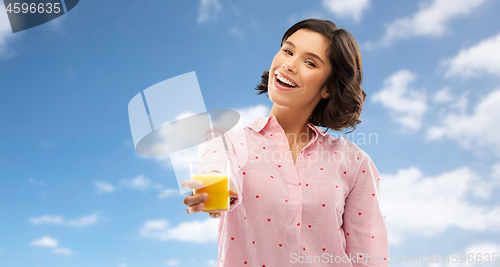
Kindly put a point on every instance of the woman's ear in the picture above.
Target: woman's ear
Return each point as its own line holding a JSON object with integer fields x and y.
{"x": 325, "y": 93}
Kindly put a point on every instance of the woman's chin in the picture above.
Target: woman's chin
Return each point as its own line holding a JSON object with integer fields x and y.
{"x": 280, "y": 100}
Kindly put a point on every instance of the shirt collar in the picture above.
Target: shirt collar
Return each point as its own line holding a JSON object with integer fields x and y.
{"x": 260, "y": 123}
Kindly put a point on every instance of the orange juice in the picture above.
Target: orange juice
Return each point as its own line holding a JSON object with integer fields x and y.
{"x": 216, "y": 185}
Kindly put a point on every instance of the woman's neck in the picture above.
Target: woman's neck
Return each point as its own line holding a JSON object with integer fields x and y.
{"x": 294, "y": 123}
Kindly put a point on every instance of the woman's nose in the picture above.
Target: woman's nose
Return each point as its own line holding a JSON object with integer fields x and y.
{"x": 289, "y": 66}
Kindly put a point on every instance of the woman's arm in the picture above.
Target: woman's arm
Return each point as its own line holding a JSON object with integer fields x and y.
{"x": 221, "y": 148}
{"x": 364, "y": 224}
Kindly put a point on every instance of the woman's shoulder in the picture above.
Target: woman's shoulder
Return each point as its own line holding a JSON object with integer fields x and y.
{"x": 350, "y": 148}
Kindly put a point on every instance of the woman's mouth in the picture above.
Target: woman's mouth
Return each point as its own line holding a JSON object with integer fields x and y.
{"x": 283, "y": 84}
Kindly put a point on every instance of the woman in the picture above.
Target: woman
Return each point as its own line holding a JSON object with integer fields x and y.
{"x": 300, "y": 196}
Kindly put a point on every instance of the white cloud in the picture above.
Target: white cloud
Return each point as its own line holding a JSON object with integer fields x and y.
{"x": 139, "y": 182}
{"x": 461, "y": 104}
{"x": 45, "y": 242}
{"x": 63, "y": 251}
{"x": 83, "y": 221}
{"x": 211, "y": 263}
{"x": 208, "y": 9}
{"x": 49, "y": 242}
{"x": 476, "y": 60}
{"x": 443, "y": 95}
{"x": 58, "y": 220}
{"x": 419, "y": 205}
{"x": 103, "y": 187}
{"x": 195, "y": 231}
{"x": 250, "y": 114}
{"x": 480, "y": 129}
{"x": 430, "y": 20}
{"x": 495, "y": 170}
{"x": 172, "y": 263}
{"x": 47, "y": 219}
{"x": 122, "y": 265}
{"x": 169, "y": 192}
{"x": 406, "y": 105}
{"x": 352, "y": 9}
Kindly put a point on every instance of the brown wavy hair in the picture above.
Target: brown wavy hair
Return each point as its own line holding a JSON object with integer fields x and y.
{"x": 343, "y": 107}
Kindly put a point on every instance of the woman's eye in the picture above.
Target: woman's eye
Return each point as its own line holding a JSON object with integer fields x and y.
{"x": 291, "y": 54}
{"x": 312, "y": 64}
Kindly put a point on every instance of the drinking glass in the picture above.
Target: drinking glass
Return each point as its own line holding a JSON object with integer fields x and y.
{"x": 215, "y": 178}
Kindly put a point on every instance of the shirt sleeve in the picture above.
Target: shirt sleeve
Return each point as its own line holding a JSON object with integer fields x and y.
{"x": 364, "y": 223}
{"x": 220, "y": 148}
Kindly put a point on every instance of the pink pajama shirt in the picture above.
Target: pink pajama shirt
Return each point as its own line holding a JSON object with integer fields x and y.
{"x": 321, "y": 211}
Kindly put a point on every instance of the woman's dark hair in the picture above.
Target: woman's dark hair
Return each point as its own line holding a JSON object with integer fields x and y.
{"x": 343, "y": 107}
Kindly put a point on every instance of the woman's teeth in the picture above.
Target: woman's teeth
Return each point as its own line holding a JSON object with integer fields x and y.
{"x": 284, "y": 80}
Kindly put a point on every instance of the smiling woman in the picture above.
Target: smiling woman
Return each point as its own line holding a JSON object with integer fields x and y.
{"x": 300, "y": 195}
{"x": 332, "y": 52}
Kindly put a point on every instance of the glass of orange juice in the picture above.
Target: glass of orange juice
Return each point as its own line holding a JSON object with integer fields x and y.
{"x": 215, "y": 178}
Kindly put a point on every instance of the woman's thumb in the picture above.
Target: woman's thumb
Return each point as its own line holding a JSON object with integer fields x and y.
{"x": 233, "y": 192}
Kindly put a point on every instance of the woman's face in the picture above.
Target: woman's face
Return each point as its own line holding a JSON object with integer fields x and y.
{"x": 301, "y": 60}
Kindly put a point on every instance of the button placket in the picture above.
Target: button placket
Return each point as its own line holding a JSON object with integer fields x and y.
{"x": 287, "y": 166}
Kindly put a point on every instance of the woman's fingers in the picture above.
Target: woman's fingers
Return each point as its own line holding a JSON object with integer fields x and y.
{"x": 195, "y": 208}
{"x": 192, "y": 184}
{"x": 232, "y": 191}
{"x": 192, "y": 200}
{"x": 195, "y": 202}
{"x": 215, "y": 215}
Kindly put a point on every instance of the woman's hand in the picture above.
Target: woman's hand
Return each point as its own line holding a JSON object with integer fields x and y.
{"x": 195, "y": 202}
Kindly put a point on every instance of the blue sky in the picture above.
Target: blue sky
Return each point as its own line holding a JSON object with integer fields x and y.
{"x": 73, "y": 191}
